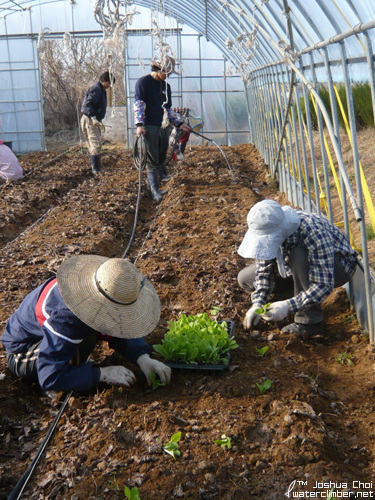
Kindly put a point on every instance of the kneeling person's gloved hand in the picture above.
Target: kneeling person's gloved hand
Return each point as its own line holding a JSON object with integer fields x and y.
{"x": 148, "y": 365}
{"x": 277, "y": 311}
{"x": 117, "y": 375}
{"x": 251, "y": 317}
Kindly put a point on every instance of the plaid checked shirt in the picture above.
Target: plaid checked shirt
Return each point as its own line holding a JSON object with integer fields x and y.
{"x": 324, "y": 242}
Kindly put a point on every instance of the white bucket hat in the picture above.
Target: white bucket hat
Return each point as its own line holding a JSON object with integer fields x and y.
{"x": 270, "y": 224}
{"x": 109, "y": 295}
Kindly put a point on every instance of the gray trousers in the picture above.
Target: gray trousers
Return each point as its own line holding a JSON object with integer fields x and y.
{"x": 292, "y": 286}
{"x": 157, "y": 142}
{"x": 24, "y": 364}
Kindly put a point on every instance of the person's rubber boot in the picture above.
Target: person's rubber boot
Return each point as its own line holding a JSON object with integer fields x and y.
{"x": 153, "y": 185}
{"x": 163, "y": 174}
{"x": 95, "y": 164}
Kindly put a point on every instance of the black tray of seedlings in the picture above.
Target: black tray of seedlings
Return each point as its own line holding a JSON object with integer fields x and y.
{"x": 205, "y": 366}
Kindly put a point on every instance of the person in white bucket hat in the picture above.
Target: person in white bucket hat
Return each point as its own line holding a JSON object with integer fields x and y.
{"x": 307, "y": 247}
{"x": 52, "y": 333}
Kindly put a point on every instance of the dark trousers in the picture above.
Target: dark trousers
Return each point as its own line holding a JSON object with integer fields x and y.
{"x": 293, "y": 285}
{"x": 24, "y": 364}
{"x": 157, "y": 142}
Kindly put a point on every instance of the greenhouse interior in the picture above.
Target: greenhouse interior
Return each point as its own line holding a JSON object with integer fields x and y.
{"x": 279, "y": 100}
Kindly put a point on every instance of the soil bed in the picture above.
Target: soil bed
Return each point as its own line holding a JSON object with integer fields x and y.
{"x": 315, "y": 424}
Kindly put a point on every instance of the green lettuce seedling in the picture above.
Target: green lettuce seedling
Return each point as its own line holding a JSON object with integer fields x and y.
{"x": 155, "y": 381}
{"x": 196, "y": 340}
{"x": 345, "y": 357}
{"x": 172, "y": 446}
{"x": 132, "y": 494}
{"x": 262, "y": 310}
{"x": 224, "y": 441}
{"x": 215, "y": 310}
{"x": 265, "y": 386}
{"x": 262, "y": 350}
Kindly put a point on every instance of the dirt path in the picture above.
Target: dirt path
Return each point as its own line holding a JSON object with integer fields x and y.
{"x": 316, "y": 424}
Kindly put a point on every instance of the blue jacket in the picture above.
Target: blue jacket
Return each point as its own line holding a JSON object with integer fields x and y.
{"x": 95, "y": 102}
{"x": 46, "y": 317}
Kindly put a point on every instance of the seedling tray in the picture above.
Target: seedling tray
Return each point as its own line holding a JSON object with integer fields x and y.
{"x": 206, "y": 367}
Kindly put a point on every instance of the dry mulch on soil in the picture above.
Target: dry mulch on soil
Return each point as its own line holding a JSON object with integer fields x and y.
{"x": 315, "y": 424}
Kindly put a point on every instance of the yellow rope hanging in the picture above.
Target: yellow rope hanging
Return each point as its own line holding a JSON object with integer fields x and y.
{"x": 338, "y": 186}
{"x": 322, "y": 195}
{"x": 366, "y": 191}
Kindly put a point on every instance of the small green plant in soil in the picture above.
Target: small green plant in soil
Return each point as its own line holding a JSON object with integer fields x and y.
{"x": 172, "y": 446}
{"x": 224, "y": 441}
{"x": 215, "y": 310}
{"x": 196, "y": 340}
{"x": 132, "y": 494}
{"x": 345, "y": 358}
{"x": 262, "y": 310}
{"x": 265, "y": 386}
{"x": 155, "y": 382}
{"x": 261, "y": 351}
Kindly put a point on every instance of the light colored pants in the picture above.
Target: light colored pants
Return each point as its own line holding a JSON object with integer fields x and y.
{"x": 299, "y": 265}
{"x": 92, "y": 135}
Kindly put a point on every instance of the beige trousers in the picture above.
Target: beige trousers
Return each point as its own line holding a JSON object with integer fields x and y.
{"x": 92, "y": 135}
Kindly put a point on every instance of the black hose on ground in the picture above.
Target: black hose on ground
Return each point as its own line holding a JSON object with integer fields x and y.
{"x": 139, "y": 156}
{"x": 20, "y": 486}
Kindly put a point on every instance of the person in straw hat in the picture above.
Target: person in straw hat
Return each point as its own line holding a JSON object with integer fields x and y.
{"x": 52, "y": 333}
{"x": 152, "y": 117}
{"x": 303, "y": 246}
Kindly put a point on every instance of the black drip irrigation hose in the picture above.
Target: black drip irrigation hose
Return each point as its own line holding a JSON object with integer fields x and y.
{"x": 20, "y": 486}
{"x": 217, "y": 145}
{"x": 139, "y": 156}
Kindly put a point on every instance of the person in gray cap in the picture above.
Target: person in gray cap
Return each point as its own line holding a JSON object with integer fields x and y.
{"x": 52, "y": 333}
{"x": 288, "y": 242}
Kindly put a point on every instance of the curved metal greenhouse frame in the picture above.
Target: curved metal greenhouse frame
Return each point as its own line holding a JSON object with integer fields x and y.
{"x": 301, "y": 63}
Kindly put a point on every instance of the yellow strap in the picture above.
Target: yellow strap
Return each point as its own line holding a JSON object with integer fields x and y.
{"x": 322, "y": 196}
{"x": 366, "y": 191}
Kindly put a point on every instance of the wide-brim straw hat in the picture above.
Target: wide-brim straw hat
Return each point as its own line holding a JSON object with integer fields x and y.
{"x": 269, "y": 224}
{"x": 109, "y": 295}
{"x": 166, "y": 65}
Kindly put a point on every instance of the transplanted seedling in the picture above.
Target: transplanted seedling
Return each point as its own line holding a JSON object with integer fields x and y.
{"x": 224, "y": 441}
{"x": 172, "y": 446}
{"x": 345, "y": 357}
{"x": 262, "y": 350}
{"x": 155, "y": 381}
{"x": 262, "y": 310}
{"x": 215, "y": 310}
{"x": 132, "y": 494}
{"x": 265, "y": 386}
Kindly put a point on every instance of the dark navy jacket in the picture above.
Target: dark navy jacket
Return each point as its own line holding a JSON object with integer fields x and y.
{"x": 153, "y": 93}
{"x": 60, "y": 332}
{"x": 95, "y": 102}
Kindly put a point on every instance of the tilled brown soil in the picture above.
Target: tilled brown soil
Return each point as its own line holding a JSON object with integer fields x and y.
{"x": 315, "y": 425}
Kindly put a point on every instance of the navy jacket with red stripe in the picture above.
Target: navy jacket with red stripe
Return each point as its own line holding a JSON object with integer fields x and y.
{"x": 43, "y": 315}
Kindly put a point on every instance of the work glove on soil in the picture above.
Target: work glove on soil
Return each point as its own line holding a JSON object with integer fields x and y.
{"x": 251, "y": 317}
{"x": 148, "y": 365}
{"x": 99, "y": 124}
{"x": 118, "y": 375}
{"x": 277, "y": 311}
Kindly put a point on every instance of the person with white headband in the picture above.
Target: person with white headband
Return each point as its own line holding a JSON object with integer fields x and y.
{"x": 153, "y": 116}
{"x": 52, "y": 333}
{"x": 288, "y": 242}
